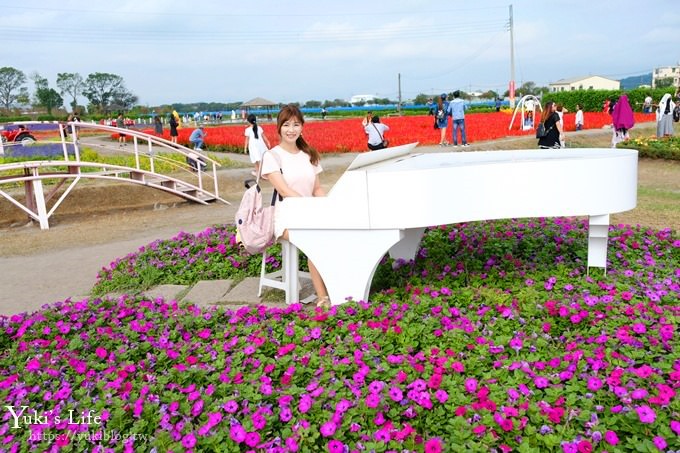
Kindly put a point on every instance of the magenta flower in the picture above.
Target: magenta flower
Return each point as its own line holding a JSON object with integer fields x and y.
{"x": 611, "y": 438}
{"x": 189, "y": 441}
{"x": 541, "y": 382}
{"x": 470, "y": 385}
{"x": 594, "y": 384}
{"x": 675, "y": 427}
{"x": 660, "y": 442}
{"x": 433, "y": 446}
{"x": 291, "y": 444}
{"x": 237, "y": 433}
{"x": 335, "y": 446}
{"x": 252, "y": 439}
{"x": 396, "y": 394}
{"x": 328, "y": 429}
{"x": 372, "y": 400}
{"x": 646, "y": 414}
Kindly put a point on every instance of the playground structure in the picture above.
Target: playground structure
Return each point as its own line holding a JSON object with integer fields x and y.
{"x": 43, "y": 180}
{"x": 527, "y": 106}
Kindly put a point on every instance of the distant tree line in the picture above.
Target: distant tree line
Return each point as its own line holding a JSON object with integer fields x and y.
{"x": 105, "y": 92}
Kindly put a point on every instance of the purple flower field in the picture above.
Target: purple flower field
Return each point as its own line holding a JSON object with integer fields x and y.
{"x": 493, "y": 340}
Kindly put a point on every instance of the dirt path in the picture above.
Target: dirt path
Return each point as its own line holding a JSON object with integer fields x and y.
{"x": 38, "y": 267}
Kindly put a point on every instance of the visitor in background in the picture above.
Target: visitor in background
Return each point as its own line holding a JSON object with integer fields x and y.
{"x": 120, "y": 123}
{"x": 158, "y": 125}
{"x": 553, "y": 128}
{"x": 441, "y": 118}
{"x": 457, "y": 112}
{"x": 561, "y": 110}
{"x": 578, "y": 119}
{"x": 664, "y": 116}
{"x": 622, "y": 120}
{"x": 367, "y": 119}
{"x": 376, "y": 134}
{"x": 256, "y": 142}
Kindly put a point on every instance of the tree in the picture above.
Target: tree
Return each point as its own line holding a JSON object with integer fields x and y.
{"x": 11, "y": 89}
{"x": 71, "y": 84}
{"x": 664, "y": 82}
{"x": 104, "y": 89}
{"x": 44, "y": 95}
{"x": 312, "y": 104}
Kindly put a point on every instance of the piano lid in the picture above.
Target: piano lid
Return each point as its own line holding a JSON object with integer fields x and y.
{"x": 382, "y": 155}
{"x": 431, "y": 161}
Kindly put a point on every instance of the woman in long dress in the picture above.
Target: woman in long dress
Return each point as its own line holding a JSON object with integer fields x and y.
{"x": 664, "y": 116}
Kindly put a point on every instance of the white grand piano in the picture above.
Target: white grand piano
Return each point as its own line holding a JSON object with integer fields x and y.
{"x": 385, "y": 199}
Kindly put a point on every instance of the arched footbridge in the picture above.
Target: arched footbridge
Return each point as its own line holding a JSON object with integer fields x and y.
{"x": 47, "y": 183}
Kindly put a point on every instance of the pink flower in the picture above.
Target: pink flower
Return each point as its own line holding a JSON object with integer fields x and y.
{"x": 675, "y": 427}
{"x": 433, "y": 446}
{"x": 189, "y": 441}
{"x": 594, "y": 384}
{"x": 335, "y": 446}
{"x": 396, "y": 394}
{"x": 291, "y": 444}
{"x": 611, "y": 438}
{"x": 252, "y": 439}
{"x": 441, "y": 396}
{"x": 584, "y": 446}
{"x": 237, "y": 433}
{"x": 328, "y": 429}
{"x": 471, "y": 385}
{"x": 541, "y": 382}
{"x": 660, "y": 442}
{"x": 372, "y": 400}
{"x": 646, "y": 414}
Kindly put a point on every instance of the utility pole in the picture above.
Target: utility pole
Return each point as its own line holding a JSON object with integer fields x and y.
{"x": 512, "y": 62}
{"x": 399, "y": 91}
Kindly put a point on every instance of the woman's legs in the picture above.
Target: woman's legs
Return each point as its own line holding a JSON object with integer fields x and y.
{"x": 442, "y": 138}
{"x": 317, "y": 282}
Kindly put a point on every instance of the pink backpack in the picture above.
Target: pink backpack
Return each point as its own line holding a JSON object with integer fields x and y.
{"x": 254, "y": 222}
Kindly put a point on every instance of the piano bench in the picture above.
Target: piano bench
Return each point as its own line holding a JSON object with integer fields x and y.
{"x": 288, "y": 277}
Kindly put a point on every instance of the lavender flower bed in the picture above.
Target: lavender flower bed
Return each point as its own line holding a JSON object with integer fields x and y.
{"x": 493, "y": 340}
{"x": 44, "y": 150}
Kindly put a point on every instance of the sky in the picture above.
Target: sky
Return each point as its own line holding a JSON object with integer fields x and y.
{"x": 170, "y": 51}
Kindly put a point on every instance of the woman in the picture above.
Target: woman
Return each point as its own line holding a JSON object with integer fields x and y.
{"x": 293, "y": 169}
{"x": 376, "y": 134}
{"x": 174, "y": 124}
{"x": 664, "y": 116}
{"x": 553, "y": 127}
{"x": 256, "y": 142}
{"x": 622, "y": 120}
{"x": 158, "y": 125}
{"x": 441, "y": 118}
{"x": 120, "y": 123}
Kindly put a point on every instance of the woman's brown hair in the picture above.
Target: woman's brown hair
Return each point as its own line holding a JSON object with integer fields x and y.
{"x": 292, "y": 111}
{"x": 547, "y": 111}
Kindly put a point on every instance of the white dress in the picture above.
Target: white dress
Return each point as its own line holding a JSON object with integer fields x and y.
{"x": 256, "y": 146}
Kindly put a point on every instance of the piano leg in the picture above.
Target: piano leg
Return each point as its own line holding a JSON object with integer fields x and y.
{"x": 407, "y": 248}
{"x": 598, "y": 235}
{"x": 346, "y": 259}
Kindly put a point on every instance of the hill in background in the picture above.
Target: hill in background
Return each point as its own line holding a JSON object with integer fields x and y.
{"x": 635, "y": 81}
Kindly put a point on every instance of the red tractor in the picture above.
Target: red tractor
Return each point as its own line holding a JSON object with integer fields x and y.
{"x": 19, "y": 135}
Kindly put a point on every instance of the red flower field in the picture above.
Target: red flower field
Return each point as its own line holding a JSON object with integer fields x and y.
{"x": 344, "y": 135}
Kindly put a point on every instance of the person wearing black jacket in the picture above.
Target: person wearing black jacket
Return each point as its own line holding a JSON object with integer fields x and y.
{"x": 553, "y": 127}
